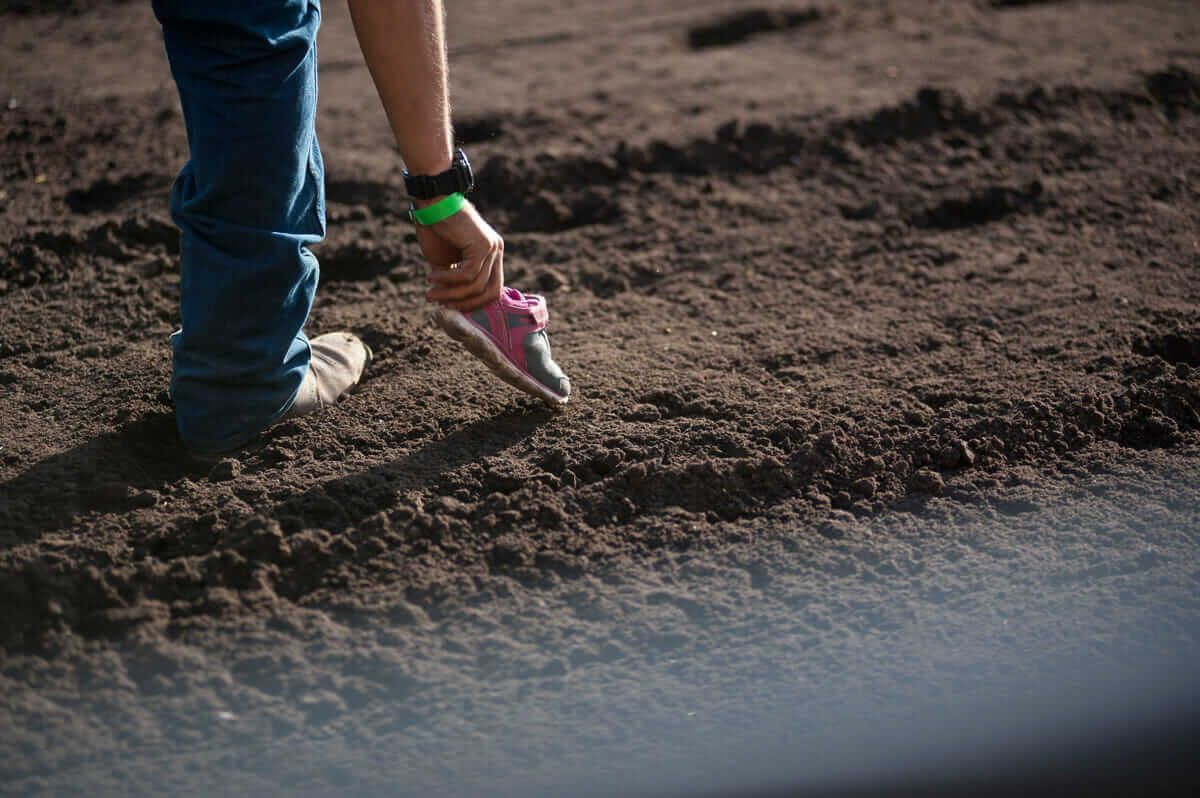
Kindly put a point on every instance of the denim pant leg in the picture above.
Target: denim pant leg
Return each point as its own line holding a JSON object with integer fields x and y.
{"x": 248, "y": 202}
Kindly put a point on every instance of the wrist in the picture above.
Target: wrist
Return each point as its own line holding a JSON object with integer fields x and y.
{"x": 425, "y": 203}
{"x": 455, "y": 178}
{"x": 430, "y": 164}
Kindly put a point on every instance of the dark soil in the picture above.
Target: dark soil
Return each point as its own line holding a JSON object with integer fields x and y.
{"x": 808, "y": 268}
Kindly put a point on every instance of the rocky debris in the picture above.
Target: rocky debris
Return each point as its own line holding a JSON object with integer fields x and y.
{"x": 926, "y": 480}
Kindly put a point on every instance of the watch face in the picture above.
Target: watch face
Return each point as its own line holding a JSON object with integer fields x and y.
{"x": 464, "y": 165}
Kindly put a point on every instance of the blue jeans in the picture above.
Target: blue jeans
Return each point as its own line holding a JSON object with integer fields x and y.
{"x": 248, "y": 203}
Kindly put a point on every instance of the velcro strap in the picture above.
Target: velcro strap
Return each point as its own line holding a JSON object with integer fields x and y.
{"x": 539, "y": 313}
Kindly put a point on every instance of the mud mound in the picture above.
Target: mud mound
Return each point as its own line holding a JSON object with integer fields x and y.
{"x": 931, "y": 111}
{"x": 46, "y": 258}
{"x": 105, "y": 195}
{"x": 738, "y": 27}
{"x": 981, "y": 207}
{"x": 1181, "y": 347}
{"x": 1021, "y": 3}
{"x": 1176, "y": 88}
{"x": 55, "y": 7}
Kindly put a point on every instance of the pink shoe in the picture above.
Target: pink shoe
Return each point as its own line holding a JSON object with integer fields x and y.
{"x": 509, "y": 336}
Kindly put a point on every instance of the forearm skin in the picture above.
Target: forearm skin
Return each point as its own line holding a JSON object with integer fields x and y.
{"x": 404, "y": 44}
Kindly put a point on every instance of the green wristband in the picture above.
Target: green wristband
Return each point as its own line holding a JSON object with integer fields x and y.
{"x": 438, "y": 211}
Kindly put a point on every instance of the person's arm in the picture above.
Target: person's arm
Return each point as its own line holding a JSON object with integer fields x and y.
{"x": 404, "y": 44}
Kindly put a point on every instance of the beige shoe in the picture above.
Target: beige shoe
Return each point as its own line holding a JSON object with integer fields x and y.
{"x": 337, "y": 363}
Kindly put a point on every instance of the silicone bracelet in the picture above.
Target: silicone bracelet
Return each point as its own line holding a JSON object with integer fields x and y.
{"x": 438, "y": 211}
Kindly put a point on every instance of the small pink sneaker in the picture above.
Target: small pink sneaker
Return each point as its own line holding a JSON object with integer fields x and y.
{"x": 509, "y": 336}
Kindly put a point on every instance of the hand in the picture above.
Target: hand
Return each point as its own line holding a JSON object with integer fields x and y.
{"x": 467, "y": 257}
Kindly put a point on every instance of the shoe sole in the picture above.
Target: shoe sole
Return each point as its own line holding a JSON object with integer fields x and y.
{"x": 481, "y": 346}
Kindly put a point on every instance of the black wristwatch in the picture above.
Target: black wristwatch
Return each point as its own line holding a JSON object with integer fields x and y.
{"x": 458, "y": 178}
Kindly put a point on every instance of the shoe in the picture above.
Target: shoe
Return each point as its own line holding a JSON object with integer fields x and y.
{"x": 337, "y": 363}
{"x": 509, "y": 336}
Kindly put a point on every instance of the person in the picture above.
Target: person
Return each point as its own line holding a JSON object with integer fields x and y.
{"x": 251, "y": 200}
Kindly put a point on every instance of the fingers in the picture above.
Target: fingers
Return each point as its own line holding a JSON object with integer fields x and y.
{"x": 458, "y": 273}
{"x": 467, "y": 280}
{"x": 469, "y": 284}
{"x": 478, "y": 277}
{"x": 490, "y": 293}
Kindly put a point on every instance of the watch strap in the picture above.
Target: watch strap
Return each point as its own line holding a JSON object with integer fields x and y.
{"x": 456, "y": 179}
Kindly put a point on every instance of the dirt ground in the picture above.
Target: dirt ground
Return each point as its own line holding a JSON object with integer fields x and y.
{"x": 882, "y": 466}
